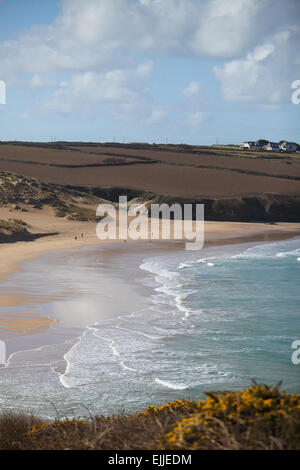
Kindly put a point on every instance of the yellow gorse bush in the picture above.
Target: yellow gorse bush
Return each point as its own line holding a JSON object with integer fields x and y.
{"x": 259, "y": 417}
{"x": 55, "y": 425}
{"x": 177, "y": 405}
{"x": 223, "y": 412}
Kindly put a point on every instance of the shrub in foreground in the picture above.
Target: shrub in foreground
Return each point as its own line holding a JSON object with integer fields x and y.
{"x": 261, "y": 417}
{"x": 258, "y": 418}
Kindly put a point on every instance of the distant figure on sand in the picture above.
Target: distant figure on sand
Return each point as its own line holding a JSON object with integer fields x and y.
{"x": 75, "y": 238}
{"x": 82, "y": 235}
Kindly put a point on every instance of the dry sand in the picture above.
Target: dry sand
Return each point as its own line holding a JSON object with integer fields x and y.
{"x": 44, "y": 221}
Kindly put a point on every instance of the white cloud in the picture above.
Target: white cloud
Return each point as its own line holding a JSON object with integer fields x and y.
{"x": 89, "y": 88}
{"x": 93, "y": 34}
{"x": 260, "y": 53}
{"x": 95, "y": 44}
{"x": 156, "y": 117}
{"x": 38, "y": 81}
{"x": 193, "y": 89}
{"x": 265, "y": 74}
{"x": 227, "y": 27}
{"x": 121, "y": 92}
{"x": 145, "y": 68}
{"x": 197, "y": 119}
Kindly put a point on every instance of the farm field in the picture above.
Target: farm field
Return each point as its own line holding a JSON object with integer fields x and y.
{"x": 55, "y": 157}
{"x": 203, "y": 173}
{"x": 272, "y": 164}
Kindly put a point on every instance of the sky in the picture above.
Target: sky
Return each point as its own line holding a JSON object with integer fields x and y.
{"x": 164, "y": 71}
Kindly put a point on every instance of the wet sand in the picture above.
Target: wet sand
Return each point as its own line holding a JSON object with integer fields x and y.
{"x": 111, "y": 324}
{"x": 14, "y": 254}
{"x": 44, "y": 221}
{"x": 24, "y": 323}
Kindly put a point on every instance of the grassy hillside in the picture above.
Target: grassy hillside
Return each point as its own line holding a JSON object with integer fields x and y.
{"x": 261, "y": 417}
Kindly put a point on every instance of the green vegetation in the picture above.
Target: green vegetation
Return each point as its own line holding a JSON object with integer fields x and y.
{"x": 13, "y": 230}
{"x": 73, "y": 212}
{"x": 261, "y": 417}
{"x": 266, "y": 208}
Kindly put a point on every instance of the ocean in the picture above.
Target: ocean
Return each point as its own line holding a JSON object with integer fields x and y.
{"x": 138, "y": 328}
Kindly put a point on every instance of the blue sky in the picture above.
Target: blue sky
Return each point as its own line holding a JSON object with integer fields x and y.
{"x": 181, "y": 71}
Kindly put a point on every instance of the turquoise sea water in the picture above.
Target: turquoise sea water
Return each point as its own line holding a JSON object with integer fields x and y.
{"x": 184, "y": 323}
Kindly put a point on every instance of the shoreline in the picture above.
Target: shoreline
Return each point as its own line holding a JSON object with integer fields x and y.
{"x": 216, "y": 234}
{"x": 121, "y": 316}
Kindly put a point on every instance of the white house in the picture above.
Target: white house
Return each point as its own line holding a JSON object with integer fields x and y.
{"x": 288, "y": 146}
{"x": 272, "y": 146}
{"x": 249, "y": 145}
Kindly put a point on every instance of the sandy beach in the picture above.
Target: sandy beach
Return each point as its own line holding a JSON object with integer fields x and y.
{"x": 23, "y": 323}
{"x": 146, "y": 313}
{"x": 69, "y": 237}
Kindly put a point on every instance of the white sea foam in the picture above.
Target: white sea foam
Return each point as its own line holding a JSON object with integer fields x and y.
{"x": 111, "y": 342}
{"x": 195, "y": 262}
{"x": 174, "y": 386}
{"x": 147, "y": 335}
{"x": 284, "y": 254}
{"x": 184, "y": 265}
{"x": 273, "y": 249}
{"x": 64, "y": 378}
{"x": 156, "y": 267}
{"x": 180, "y": 305}
{"x": 122, "y": 364}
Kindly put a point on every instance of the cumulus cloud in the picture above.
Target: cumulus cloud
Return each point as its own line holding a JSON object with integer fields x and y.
{"x": 120, "y": 92}
{"x": 93, "y": 34}
{"x": 227, "y": 27}
{"x": 146, "y": 68}
{"x": 266, "y": 73}
{"x": 193, "y": 89}
{"x": 95, "y": 44}
{"x": 156, "y": 117}
{"x": 197, "y": 119}
{"x": 39, "y": 81}
{"x": 119, "y": 86}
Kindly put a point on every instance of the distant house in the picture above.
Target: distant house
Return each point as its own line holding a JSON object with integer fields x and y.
{"x": 285, "y": 146}
{"x": 272, "y": 146}
{"x": 262, "y": 144}
{"x": 249, "y": 145}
